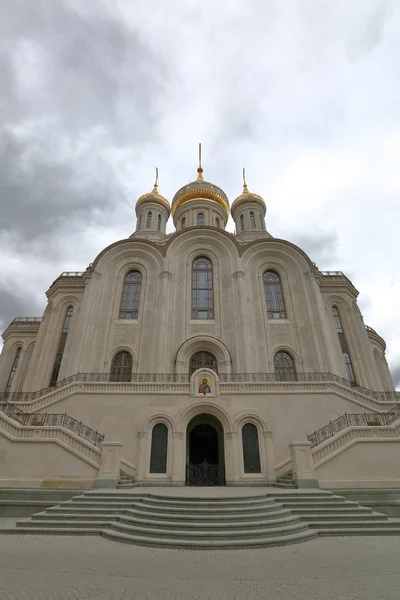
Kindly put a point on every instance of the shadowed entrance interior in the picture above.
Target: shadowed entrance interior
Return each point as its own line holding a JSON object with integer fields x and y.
{"x": 205, "y": 464}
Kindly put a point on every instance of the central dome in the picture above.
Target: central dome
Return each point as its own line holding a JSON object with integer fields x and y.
{"x": 200, "y": 189}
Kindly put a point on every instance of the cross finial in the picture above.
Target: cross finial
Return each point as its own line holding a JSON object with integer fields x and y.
{"x": 245, "y": 190}
{"x": 200, "y": 169}
{"x": 155, "y": 189}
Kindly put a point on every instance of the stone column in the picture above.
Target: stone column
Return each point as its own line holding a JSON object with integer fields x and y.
{"x": 303, "y": 465}
{"x": 178, "y": 454}
{"x": 110, "y": 462}
{"x": 270, "y": 474}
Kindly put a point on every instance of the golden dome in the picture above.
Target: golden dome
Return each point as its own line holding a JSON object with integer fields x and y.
{"x": 246, "y": 197}
{"x": 153, "y": 197}
{"x": 200, "y": 189}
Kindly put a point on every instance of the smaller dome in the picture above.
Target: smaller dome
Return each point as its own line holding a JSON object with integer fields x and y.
{"x": 247, "y": 198}
{"x": 154, "y": 198}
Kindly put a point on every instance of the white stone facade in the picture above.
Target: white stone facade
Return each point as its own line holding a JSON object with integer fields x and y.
{"x": 164, "y": 337}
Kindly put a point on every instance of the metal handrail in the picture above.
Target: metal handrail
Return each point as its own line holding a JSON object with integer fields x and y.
{"x": 353, "y": 420}
{"x": 51, "y": 420}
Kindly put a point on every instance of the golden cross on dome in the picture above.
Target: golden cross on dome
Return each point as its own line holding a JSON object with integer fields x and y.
{"x": 245, "y": 190}
{"x": 155, "y": 189}
{"x": 200, "y": 169}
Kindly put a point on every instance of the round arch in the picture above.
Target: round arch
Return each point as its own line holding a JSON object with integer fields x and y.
{"x": 187, "y": 414}
{"x": 208, "y": 344}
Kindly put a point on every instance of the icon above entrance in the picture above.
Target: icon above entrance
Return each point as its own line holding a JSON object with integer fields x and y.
{"x": 204, "y": 383}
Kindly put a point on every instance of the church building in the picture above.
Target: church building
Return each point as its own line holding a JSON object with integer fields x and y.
{"x": 198, "y": 357}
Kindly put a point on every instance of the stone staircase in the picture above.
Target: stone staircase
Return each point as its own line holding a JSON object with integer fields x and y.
{"x": 125, "y": 481}
{"x": 271, "y": 519}
{"x": 286, "y": 481}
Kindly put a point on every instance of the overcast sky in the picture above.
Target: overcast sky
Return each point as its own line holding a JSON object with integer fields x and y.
{"x": 305, "y": 93}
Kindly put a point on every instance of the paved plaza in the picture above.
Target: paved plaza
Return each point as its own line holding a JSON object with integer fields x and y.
{"x": 72, "y": 568}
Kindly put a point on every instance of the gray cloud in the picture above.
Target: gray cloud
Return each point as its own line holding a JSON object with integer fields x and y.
{"x": 16, "y": 304}
{"x": 396, "y": 375}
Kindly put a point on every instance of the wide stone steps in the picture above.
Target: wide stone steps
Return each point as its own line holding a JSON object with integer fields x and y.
{"x": 203, "y": 522}
{"x": 206, "y": 544}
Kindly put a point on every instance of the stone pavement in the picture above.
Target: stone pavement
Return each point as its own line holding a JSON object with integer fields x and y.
{"x": 92, "y": 568}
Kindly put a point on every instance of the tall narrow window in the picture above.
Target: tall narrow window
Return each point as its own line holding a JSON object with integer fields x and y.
{"x": 61, "y": 346}
{"x": 217, "y": 222}
{"x": 183, "y": 222}
{"x": 274, "y": 296}
{"x": 202, "y": 359}
{"x": 241, "y": 222}
{"x": 121, "y": 367}
{"x": 13, "y": 370}
{"x": 200, "y": 219}
{"x": 336, "y": 319}
{"x": 131, "y": 296}
{"x": 159, "y": 447}
{"x": 251, "y": 449}
{"x": 149, "y": 219}
{"x": 343, "y": 345}
{"x": 202, "y": 289}
{"x": 159, "y": 223}
{"x": 284, "y": 367}
{"x": 252, "y": 220}
{"x": 349, "y": 367}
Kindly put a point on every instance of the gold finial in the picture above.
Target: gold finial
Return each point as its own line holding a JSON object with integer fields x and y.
{"x": 245, "y": 190}
{"x": 155, "y": 189}
{"x": 200, "y": 170}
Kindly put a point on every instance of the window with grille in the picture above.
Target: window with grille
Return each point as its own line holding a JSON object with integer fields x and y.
{"x": 121, "y": 367}
{"x": 336, "y": 319}
{"x": 183, "y": 222}
{"x": 274, "y": 296}
{"x": 242, "y": 222}
{"x": 217, "y": 223}
{"x": 201, "y": 360}
{"x": 202, "y": 289}
{"x": 130, "y": 301}
{"x": 13, "y": 370}
{"x": 284, "y": 367}
{"x": 149, "y": 219}
{"x": 349, "y": 367}
{"x": 200, "y": 219}
{"x": 251, "y": 449}
{"x": 61, "y": 346}
{"x": 159, "y": 447}
{"x": 158, "y": 222}
{"x": 252, "y": 220}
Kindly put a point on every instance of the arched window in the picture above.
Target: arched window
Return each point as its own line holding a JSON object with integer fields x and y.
{"x": 131, "y": 296}
{"x": 251, "y": 449}
{"x": 241, "y": 222}
{"x": 274, "y": 296}
{"x": 159, "y": 446}
{"x": 336, "y": 319}
{"x": 61, "y": 346}
{"x": 149, "y": 219}
{"x": 183, "y": 222}
{"x": 121, "y": 367}
{"x": 200, "y": 218}
{"x": 284, "y": 367}
{"x": 202, "y": 359}
{"x": 217, "y": 222}
{"x": 252, "y": 220}
{"x": 13, "y": 370}
{"x": 159, "y": 223}
{"x": 349, "y": 367}
{"x": 202, "y": 289}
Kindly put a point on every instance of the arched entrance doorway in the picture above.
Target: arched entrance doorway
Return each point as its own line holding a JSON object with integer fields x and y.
{"x": 205, "y": 458}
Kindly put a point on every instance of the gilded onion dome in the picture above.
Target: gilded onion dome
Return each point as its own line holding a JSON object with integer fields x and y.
{"x": 200, "y": 189}
{"x": 153, "y": 197}
{"x": 246, "y": 197}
